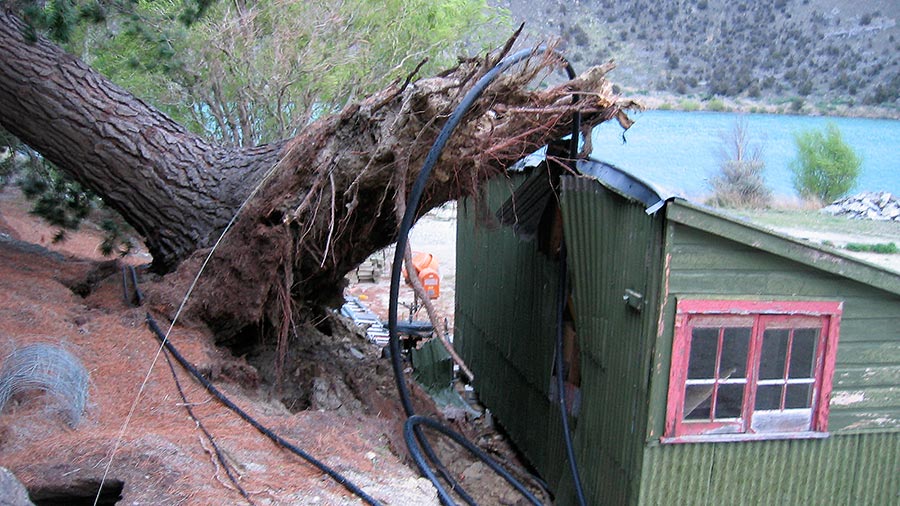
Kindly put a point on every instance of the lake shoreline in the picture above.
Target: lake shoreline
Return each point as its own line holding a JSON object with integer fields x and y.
{"x": 680, "y": 151}
{"x": 798, "y": 106}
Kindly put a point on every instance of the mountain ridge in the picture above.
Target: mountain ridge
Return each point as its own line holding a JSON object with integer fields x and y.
{"x": 822, "y": 54}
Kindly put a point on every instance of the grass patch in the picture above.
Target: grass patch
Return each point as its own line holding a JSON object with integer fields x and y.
{"x": 810, "y": 219}
{"x": 884, "y": 248}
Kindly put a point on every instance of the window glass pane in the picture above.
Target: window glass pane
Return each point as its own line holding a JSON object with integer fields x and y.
{"x": 774, "y": 353}
{"x": 735, "y": 343}
{"x": 729, "y": 400}
{"x": 697, "y": 402}
{"x": 798, "y": 396}
{"x": 768, "y": 397}
{"x": 704, "y": 345}
{"x": 803, "y": 353}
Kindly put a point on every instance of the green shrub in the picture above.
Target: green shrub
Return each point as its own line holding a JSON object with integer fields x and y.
{"x": 826, "y": 168}
{"x": 715, "y": 105}
{"x": 689, "y": 105}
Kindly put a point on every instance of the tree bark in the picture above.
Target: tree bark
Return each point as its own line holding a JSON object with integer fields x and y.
{"x": 175, "y": 188}
{"x": 324, "y": 200}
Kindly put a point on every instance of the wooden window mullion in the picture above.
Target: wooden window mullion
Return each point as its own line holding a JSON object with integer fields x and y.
{"x": 713, "y": 400}
{"x": 752, "y": 371}
{"x": 787, "y": 368}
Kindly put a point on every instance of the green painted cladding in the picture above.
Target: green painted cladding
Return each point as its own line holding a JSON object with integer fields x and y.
{"x": 857, "y": 469}
{"x": 865, "y": 393}
{"x": 707, "y": 258}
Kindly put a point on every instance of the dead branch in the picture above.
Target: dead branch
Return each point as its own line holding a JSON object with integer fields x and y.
{"x": 433, "y": 315}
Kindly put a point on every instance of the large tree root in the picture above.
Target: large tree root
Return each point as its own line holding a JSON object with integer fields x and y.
{"x": 331, "y": 201}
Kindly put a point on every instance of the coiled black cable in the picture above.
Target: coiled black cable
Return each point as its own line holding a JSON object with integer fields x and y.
{"x": 412, "y": 427}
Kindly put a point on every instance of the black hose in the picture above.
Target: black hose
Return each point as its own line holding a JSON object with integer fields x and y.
{"x": 249, "y": 419}
{"x": 416, "y": 420}
{"x": 560, "y": 373}
{"x": 138, "y": 296}
{"x": 412, "y": 425}
{"x": 137, "y": 299}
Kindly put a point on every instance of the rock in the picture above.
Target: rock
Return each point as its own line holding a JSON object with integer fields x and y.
{"x": 12, "y": 492}
{"x": 892, "y": 210}
{"x": 879, "y": 206}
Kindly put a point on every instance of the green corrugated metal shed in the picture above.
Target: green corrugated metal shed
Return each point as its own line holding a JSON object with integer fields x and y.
{"x": 628, "y": 267}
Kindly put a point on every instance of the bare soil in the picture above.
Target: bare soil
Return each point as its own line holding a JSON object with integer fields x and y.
{"x": 337, "y": 401}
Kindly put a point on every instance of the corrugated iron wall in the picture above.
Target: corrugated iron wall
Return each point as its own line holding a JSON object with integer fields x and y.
{"x": 614, "y": 263}
{"x": 506, "y": 328}
{"x": 858, "y": 469}
{"x": 505, "y": 325}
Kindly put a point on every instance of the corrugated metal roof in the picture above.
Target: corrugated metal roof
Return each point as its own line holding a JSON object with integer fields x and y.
{"x": 612, "y": 177}
{"x": 624, "y": 183}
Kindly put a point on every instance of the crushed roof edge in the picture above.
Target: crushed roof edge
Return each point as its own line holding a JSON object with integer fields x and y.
{"x": 716, "y": 222}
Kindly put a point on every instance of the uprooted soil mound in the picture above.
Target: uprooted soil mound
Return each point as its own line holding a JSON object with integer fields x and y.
{"x": 336, "y": 400}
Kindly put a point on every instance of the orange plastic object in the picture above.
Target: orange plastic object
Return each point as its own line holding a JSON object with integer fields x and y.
{"x": 429, "y": 273}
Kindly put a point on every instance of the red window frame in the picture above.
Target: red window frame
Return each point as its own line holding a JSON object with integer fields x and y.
{"x": 752, "y": 423}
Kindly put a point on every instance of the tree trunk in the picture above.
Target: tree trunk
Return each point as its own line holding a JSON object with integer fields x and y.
{"x": 325, "y": 199}
{"x": 173, "y": 187}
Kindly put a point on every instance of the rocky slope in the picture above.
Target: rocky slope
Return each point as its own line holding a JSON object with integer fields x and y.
{"x": 825, "y": 52}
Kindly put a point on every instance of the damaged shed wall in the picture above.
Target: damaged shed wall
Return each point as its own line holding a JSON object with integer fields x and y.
{"x": 628, "y": 268}
{"x": 505, "y": 323}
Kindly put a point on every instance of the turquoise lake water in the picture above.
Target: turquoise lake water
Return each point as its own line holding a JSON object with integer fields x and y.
{"x": 678, "y": 151}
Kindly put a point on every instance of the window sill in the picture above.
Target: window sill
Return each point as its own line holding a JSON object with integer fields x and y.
{"x": 735, "y": 438}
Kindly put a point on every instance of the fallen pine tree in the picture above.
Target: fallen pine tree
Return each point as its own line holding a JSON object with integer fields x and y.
{"x": 301, "y": 212}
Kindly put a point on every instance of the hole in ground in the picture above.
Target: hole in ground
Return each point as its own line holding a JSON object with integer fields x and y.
{"x": 86, "y": 285}
{"x": 77, "y": 493}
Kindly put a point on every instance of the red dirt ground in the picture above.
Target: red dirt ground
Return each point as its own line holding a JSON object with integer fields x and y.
{"x": 157, "y": 451}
